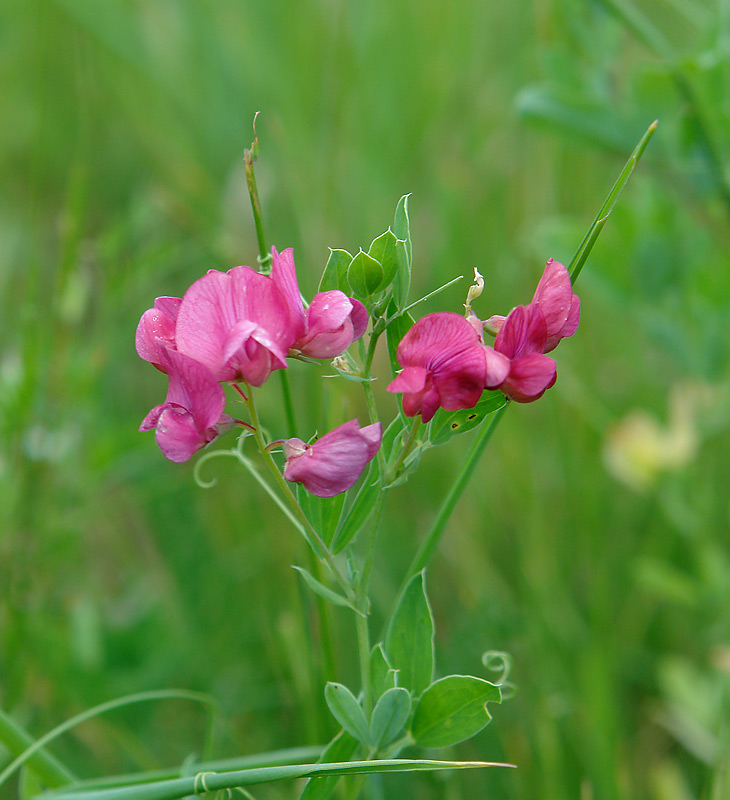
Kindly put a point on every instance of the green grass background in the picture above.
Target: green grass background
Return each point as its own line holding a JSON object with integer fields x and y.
{"x": 123, "y": 127}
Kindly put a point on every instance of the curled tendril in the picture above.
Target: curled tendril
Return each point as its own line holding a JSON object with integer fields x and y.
{"x": 499, "y": 662}
{"x": 199, "y": 785}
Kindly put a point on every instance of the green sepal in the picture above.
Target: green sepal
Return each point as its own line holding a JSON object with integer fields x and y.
{"x": 382, "y": 675}
{"x": 344, "y": 707}
{"x": 446, "y": 424}
{"x": 323, "y": 591}
{"x": 452, "y": 710}
{"x": 390, "y": 715}
{"x": 365, "y": 276}
{"x": 335, "y": 272}
{"x": 409, "y": 641}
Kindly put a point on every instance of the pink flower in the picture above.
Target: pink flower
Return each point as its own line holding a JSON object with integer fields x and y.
{"x": 236, "y": 323}
{"x": 332, "y": 464}
{"x": 157, "y": 326}
{"x": 522, "y": 340}
{"x": 555, "y": 298}
{"x": 192, "y": 414}
{"x": 333, "y": 320}
{"x": 445, "y": 365}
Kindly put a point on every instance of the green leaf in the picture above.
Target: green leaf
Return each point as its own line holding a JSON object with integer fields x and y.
{"x": 323, "y": 591}
{"x": 384, "y": 249}
{"x": 446, "y": 424}
{"x": 202, "y": 782}
{"x": 402, "y": 230}
{"x": 341, "y": 748}
{"x": 396, "y": 330}
{"x": 335, "y": 272}
{"x": 365, "y": 275}
{"x": 453, "y": 709}
{"x": 402, "y": 225}
{"x": 389, "y": 716}
{"x": 409, "y": 642}
{"x": 382, "y": 675}
{"x": 344, "y": 707}
{"x": 323, "y": 512}
{"x": 358, "y": 513}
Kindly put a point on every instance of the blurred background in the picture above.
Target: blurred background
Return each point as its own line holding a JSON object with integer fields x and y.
{"x": 593, "y": 543}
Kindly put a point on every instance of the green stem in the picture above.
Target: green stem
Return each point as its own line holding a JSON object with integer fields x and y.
{"x": 47, "y": 767}
{"x": 407, "y": 447}
{"x": 314, "y": 540}
{"x": 291, "y": 422}
{"x": 430, "y": 543}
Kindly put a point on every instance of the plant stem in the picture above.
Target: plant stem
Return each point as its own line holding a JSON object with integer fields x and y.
{"x": 430, "y": 543}
{"x": 47, "y": 767}
{"x": 393, "y": 473}
{"x": 314, "y": 540}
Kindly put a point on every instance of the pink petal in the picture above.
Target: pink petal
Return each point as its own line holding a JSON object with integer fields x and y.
{"x": 570, "y": 327}
{"x": 333, "y": 463}
{"x": 554, "y": 295}
{"x": 411, "y": 379}
{"x": 434, "y": 338}
{"x": 529, "y": 377}
{"x": 329, "y": 328}
{"x": 193, "y": 387}
{"x": 157, "y": 325}
{"x": 284, "y": 276}
{"x": 523, "y": 332}
{"x": 498, "y": 367}
{"x": 359, "y": 317}
{"x": 150, "y": 421}
{"x": 177, "y": 435}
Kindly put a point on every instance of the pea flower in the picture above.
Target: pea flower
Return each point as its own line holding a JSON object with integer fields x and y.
{"x": 192, "y": 414}
{"x": 559, "y": 305}
{"x": 333, "y": 320}
{"x": 157, "y": 326}
{"x": 237, "y": 323}
{"x": 445, "y": 365}
{"x": 522, "y": 340}
{"x": 333, "y": 463}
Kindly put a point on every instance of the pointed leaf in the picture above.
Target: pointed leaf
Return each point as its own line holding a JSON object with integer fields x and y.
{"x": 384, "y": 249}
{"x": 344, "y": 707}
{"x": 402, "y": 225}
{"x": 453, "y": 709}
{"x": 365, "y": 275}
{"x": 389, "y": 717}
{"x": 446, "y": 424}
{"x": 323, "y": 591}
{"x": 402, "y": 230}
{"x": 335, "y": 272}
{"x": 322, "y": 512}
{"x": 357, "y": 515}
{"x": 395, "y": 331}
{"x": 382, "y": 675}
{"x": 409, "y": 643}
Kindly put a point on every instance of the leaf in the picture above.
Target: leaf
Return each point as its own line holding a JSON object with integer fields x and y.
{"x": 323, "y": 512}
{"x": 323, "y": 591}
{"x": 341, "y": 748}
{"x": 357, "y": 515}
{"x": 382, "y": 675}
{"x": 344, "y": 707}
{"x": 446, "y": 424}
{"x": 182, "y": 787}
{"x": 409, "y": 642}
{"x": 384, "y": 249}
{"x": 396, "y": 330}
{"x": 335, "y": 272}
{"x": 453, "y": 709}
{"x": 389, "y": 716}
{"x": 402, "y": 229}
{"x": 365, "y": 275}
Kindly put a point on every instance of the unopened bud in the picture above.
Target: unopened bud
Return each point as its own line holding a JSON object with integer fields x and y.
{"x": 475, "y": 289}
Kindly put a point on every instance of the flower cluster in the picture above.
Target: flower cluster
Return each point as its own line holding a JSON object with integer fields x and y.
{"x": 447, "y": 365}
{"x": 239, "y": 326}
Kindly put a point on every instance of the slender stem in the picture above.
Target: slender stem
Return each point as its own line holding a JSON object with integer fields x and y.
{"x": 430, "y": 543}
{"x": 314, "y": 540}
{"x": 368, "y": 389}
{"x": 291, "y": 422}
{"x": 48, "y": 768}
{"x": 407, "y": 447}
